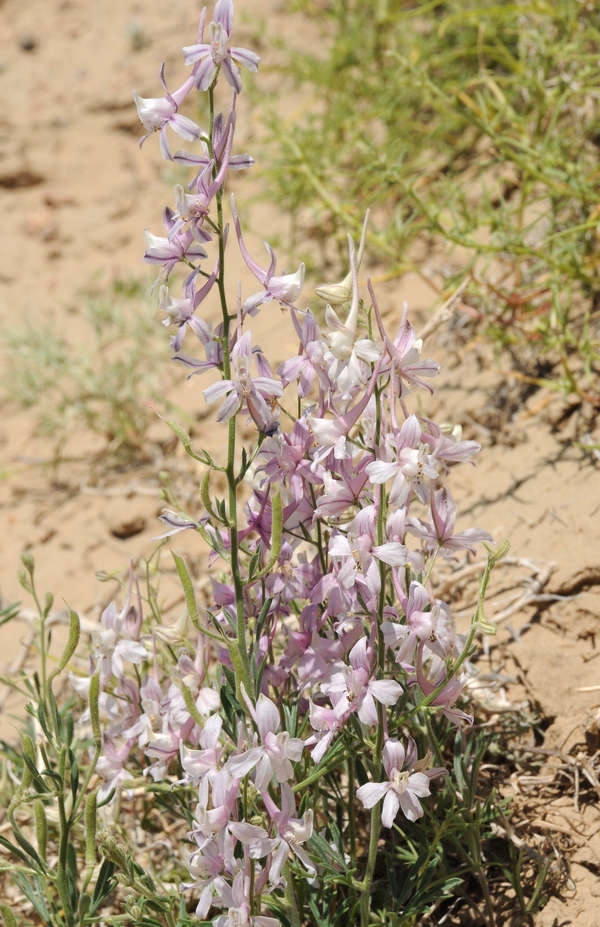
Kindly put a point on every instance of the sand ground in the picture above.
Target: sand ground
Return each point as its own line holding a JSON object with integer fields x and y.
{"x": 76, "y": 194}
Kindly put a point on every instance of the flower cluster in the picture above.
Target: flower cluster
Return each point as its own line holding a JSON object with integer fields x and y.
{"x": 323, "y": 640}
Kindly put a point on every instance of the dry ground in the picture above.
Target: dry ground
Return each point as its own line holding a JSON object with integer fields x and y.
{"x": 76, "y": 195}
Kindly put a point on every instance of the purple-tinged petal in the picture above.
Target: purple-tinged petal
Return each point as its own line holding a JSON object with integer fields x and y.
{"x": 240, "y": 162}
{"x": 217, "y": 390}
{"x": 229, "y": 408}
{"x": 185, "y": 128}
{"x": 224, "y": 14}
{"x": 391, "y": 806}
{"x": 368, "y": 711}
{"x": 380, "y": 472}
{"x": 372, "y": 792}
{"x": 205, "y": 74}
{"x": 232, "y": 75}
{"x": 411, "y": 806}
{"x": 190, "y": 159}
{"x": 240, "y": 765}
{"x": 264, "y": 774}
{"x": 269, "y": 386}
{"x": 195, "y": 53}
{"x": 246, "y": 58}
{"x": 385, "y": 691}
{"x": 164, "y": 144}
{"x": 418, "y": 784}
{"x": 267, "y": 716}
{"x": 394, "y": 755}
{"x": 392, "y": 553}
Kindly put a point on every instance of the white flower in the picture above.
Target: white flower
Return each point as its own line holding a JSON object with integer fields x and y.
{"x": 404, "y": 787}
{"x": 274, "y": 755}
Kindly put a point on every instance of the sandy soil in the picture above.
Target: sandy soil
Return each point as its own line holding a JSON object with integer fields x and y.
{"x": 76, "y": 195}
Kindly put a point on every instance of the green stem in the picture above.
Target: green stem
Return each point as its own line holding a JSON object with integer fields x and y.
{"x": 431, "y": 565}
{"x": 86, "y": 781}
{"x": 290, "y": 898}
{"x": 351, "y": 821}
{"x": 365, "y": 901}
{"x": 242, "y": 664}
{"x": 321, "y": 771}
{"x": 64, "y": 828}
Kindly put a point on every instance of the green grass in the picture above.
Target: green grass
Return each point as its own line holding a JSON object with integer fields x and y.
{"x": 108, "y": 380}
{"x": 472, "y": 131}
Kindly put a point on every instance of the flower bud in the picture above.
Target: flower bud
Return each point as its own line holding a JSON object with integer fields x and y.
{"x": 174, "y": 633}
{"x": 9, "y": 918}
{"x": 24, "y": 580}
{"x": 41, "y": 828}
{"x": 147, "y": 881}
{"x": 91, "y": 820}
{"x": 94, "y": 696}
{"x": 29, "y": 752}
{"x": 71, "y": 647}
{"x": 28, "y": 562}
{"x": 336, "y": 293}
{"x": 109, "y": 845}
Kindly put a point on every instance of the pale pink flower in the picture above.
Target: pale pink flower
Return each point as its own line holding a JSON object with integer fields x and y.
{"x": 285, "y": 289}
{"x": 167, "y": 252}
{"x": 218, "y": 53}
{"x": 446, "y": 442}
{"x": 212, "y": 821}
{"x": 357, "y": 689}
{"x": 424, "y": 622}
{"x": 209, "y": 864}
{"x": 450, "y": 692}
{"x": 347, "y": 353}
{"x": 291, "y": 833}
{"x": 404, "y": 787}
{"x": 111, "y": 767}
{"x": 405, "y": 354}
{"x": 180, "y": 312}
{"x": 440, "y": 531}
{"x": 310, "y": 362}
{"x": 112, "y": 649}
{"x": 355, "y": 555}
{"x": 413, "y": 467}
{"x": 237, "y": 901}
{"x": 243, "y": 389}
{"x": 272, "y": 757}
{"x": 341, "y": 494}
{"x": 193, "y": 208}
{"x": 326, "y": 723}
{"x": 158, "y": 113}
{"x": 207, "y": 760}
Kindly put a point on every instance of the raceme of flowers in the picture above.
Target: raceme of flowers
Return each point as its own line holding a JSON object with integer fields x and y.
{"x": 323, "y": 637}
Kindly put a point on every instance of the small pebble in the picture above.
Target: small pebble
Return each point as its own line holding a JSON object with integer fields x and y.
{"x": 28, "y": 43}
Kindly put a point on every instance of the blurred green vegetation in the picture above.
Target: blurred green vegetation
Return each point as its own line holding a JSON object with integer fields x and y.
{"x": 108, "y": 381}
{"x": 472, "y": 131}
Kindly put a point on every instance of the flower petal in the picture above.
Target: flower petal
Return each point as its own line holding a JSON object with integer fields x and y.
{"x": 372, "y": 792}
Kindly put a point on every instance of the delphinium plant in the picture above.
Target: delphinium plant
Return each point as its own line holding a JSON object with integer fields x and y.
{"x": 296, "y": 726}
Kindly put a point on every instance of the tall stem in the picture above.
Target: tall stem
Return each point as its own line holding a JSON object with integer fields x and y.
{"x": 365, "y": 902}
{"x": 291, "y": 899}
{"x": 241, "y": 665}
